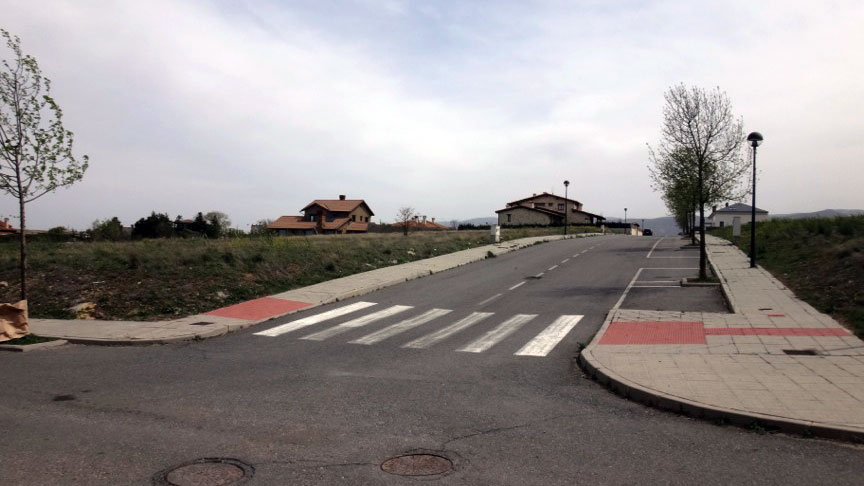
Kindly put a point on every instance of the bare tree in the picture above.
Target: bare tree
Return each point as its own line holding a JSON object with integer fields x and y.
{"x": 404, "y": 216}
{"x": 704, "y": 140}
{"x": 35, "y": 150}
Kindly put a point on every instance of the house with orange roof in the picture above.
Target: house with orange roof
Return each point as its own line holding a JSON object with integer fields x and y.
{"x": 326, "y": 216}
{"x": 546, "y": 210}
{"x": 420, "y": 223}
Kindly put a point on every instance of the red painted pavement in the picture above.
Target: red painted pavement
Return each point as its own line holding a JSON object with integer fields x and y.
{"x": 656, "y": 332}
{"x": 668, "y": 332}
{"x": 776, "y": 331}
{"x": 255, "y": 310}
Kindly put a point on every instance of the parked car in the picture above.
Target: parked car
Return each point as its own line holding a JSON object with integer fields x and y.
{"x": 647, "y": 232}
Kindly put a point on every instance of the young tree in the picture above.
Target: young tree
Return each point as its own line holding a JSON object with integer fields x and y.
{"x": 404, "y": 216}
{"x": 153, "y": 226}
{"x": 700, "y": 125}
{"x": 35, "y": 149}
{"x": 219, "y": 222}
{"x": 107, "y": 229}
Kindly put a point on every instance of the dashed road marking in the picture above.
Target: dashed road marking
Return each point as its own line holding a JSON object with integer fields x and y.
{"x": 490, "y": 299}
{"x": 553, "y": 267}
{"x": 517, "y": 285}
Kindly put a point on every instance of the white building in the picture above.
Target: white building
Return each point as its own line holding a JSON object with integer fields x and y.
{"x": 725, "y": 216}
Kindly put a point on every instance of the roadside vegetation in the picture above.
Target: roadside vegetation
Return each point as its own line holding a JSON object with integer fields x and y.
{"x": 821, "y": 260}
{"x": 154, "y": 279}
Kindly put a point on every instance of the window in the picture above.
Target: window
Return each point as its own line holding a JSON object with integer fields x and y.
{"x": 509, "y": 217}
{"x": 560, "y": 206}
{"x": 353, "y": 217}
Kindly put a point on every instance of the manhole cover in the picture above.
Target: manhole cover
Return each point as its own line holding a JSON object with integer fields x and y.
{"x": 417, "y": 465}
{"x": 206, "y": 472}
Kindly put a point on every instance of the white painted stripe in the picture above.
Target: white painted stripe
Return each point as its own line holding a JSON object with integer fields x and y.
{"x": 657, "y": 281}
{"x": 565, "y": 260}
{"x": 549, "y": 337}
{"x": 308, "y": 321}
{"x": 359, "y": 322}
{"x": 539, "y": 275}
{"x": 553, "y": 267}
{"x": 401, "y": 327}
{"x": 655, "y": 287}
{"x": 442, "y": 334}
{"x": 653, "y": 247}
{"x": 490, "y": 299}
{"x": 494, "y": 336}
{"x": 576, "y": 255}
{"x": 583, "y": 251}
{"x": 627, "y": 290}
{"x": 517, "y": 286}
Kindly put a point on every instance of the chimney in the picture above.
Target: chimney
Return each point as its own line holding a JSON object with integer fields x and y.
{"x": 424, "y": 219}
{"x": 341, "y": 197}
{"x": 714, "y": 208}
{"x": 727, "y": 204}
{"x": 433, "y": 220}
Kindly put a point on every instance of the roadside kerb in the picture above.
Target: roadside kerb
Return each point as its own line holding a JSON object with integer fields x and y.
{"x": 207, "y": 325}
{"x": 749, "y": 312}
{"x": 23, "y": 348}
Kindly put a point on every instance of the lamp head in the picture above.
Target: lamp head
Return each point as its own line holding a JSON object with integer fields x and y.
{"x": 755, "y": 139}
{"x": 566, "y": 183}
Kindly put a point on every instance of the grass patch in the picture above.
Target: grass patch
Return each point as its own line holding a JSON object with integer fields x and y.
{"x": 171, "y": 278}
{"x": 28, "y": 339}
{"x": 821, "y": 260}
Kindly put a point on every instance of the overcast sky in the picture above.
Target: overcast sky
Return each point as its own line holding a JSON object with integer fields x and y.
{"x": 255, "y": 108}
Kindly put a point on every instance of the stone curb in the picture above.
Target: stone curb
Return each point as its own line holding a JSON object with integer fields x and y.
{"x": 482, "y": 252}
{"x": 24, "y": 348}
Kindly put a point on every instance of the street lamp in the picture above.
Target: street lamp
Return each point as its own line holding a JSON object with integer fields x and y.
{"x": 566, "y": 184}
{"x": 625, "y": 215}
{"x": 755, "y": 138}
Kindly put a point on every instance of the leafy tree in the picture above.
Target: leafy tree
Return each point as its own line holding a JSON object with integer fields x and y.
{"x": 404, "y": 216}
{"x": 220, "y": 220}
{"x": 107, "y": 229}
{"x": 35, "y": 149}
{"x": 153, "y": 226}
{"x": 704, "y": 139}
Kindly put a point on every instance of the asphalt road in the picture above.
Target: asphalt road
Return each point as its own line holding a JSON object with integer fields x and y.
{"x": 328, "y": 410}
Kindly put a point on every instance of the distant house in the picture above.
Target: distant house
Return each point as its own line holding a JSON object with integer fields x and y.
{"x": 420, "y": 223}
{"x": 545, "y": 210}
{"x": 326, "y": 216}
{"x": 6, "y": 228}
{"x": 725, "y": 216}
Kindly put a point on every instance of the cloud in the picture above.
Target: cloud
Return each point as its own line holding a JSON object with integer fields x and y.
{"x": 454, "y": 108}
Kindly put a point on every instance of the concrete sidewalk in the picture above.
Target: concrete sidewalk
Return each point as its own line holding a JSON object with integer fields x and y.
{"x": 775, "y": 362}
{"x": 245, "y": 314}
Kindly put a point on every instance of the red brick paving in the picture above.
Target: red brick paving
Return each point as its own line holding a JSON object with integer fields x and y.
{"x": 654, "y": 332}
{"x": 255, "y": 310}
{"x": 669, "y": 332}
{"x": 776, "y": 331}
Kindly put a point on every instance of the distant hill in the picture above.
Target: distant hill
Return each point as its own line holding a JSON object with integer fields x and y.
{"x": 825, "y": 213}
{"x": 479, "y": 221}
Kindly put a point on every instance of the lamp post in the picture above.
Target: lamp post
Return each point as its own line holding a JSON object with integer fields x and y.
{"x": 625, "y": 215}
{"x": 755, "y": 138}
{"x": 566, "y": 184}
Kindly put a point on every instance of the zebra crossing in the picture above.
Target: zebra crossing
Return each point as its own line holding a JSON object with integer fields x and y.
{"x": 539, "y": 346}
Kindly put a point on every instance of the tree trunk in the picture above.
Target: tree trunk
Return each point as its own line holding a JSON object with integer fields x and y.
{"x": 23, "y": 247}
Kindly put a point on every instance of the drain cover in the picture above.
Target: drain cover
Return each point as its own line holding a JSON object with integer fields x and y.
{"x": 206, "y": 472}
{"x": 417, "y": 465}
